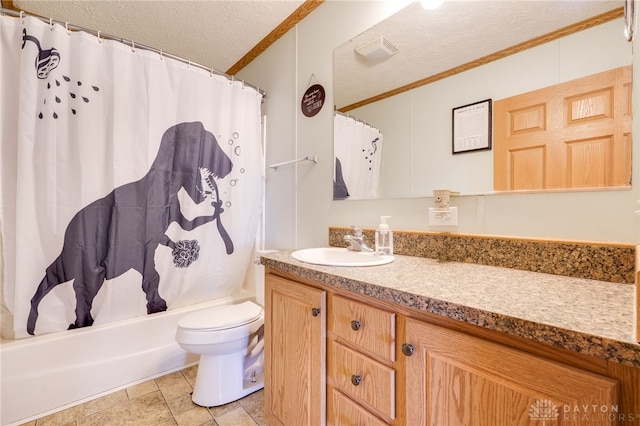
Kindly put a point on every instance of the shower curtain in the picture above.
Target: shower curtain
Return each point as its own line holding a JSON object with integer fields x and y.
{"x": 358, "y": 155}
{"x": 131, "y": 183}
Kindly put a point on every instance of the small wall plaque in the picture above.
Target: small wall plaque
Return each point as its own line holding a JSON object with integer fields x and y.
{"x": 313, "y": 100}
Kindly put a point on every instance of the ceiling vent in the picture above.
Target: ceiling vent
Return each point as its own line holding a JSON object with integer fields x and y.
{"x": 377, "y": 50}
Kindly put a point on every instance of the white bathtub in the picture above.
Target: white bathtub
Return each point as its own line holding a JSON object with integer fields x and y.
{"x": 47, "y": 373}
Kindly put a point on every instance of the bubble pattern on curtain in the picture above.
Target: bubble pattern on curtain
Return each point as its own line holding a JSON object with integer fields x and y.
{"x": 358, "y": 157}
{"x": 130, "y": 184}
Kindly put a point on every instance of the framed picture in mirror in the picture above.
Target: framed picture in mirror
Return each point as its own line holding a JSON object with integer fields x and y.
{"x": 472, "y": 127}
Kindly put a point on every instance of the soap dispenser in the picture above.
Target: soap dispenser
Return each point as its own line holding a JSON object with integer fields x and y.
{"x": 384, "y": 237}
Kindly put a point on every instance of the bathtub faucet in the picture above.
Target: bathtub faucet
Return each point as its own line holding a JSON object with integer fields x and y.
{"x": 356, "y": 241}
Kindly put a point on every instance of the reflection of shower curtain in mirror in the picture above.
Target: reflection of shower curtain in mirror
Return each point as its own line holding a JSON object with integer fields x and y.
{"x": 358, "y": 154}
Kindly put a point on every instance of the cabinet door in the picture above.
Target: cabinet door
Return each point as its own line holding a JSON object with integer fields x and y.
{"x": 456, "y": 379}
{"x": 345, "y": 412}
{"x": 295, "y": 354}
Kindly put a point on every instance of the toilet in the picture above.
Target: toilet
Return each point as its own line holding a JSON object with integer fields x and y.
{"x": 230, "y": 342}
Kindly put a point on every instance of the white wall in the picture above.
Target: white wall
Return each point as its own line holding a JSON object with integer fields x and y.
{"x": 275, "y": 73}
{"x": 299, "y": 198}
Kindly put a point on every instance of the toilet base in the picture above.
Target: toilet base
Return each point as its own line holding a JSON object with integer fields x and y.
{"x": 220, "y": 380}
{"x": 210, "y": 401}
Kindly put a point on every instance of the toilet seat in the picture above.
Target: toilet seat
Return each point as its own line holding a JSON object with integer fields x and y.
{"x": 221, "y": 317}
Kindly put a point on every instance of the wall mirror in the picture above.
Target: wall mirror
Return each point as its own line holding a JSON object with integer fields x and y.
{"x": 402, "y": 78}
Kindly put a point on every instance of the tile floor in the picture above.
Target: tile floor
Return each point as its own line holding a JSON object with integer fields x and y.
{"x": 164, "y": 401}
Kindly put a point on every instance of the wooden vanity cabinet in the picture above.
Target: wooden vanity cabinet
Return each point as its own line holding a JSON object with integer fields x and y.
{"x": 294, "y": 361}
{"x": 361, "y": 361}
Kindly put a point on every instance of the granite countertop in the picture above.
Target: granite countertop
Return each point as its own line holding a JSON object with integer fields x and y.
{"x": 586, "y": 316}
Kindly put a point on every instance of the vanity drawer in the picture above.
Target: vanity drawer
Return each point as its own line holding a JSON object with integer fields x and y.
{"x": 362, "y": 378}
{"x": 372, "y": 329}
{"x": 342, "y": 411}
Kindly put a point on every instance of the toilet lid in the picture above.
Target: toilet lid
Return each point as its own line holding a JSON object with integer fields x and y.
{"x": 221, "y": 317}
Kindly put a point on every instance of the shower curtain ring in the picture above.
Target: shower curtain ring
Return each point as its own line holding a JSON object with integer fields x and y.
{"x": 211, "y": 73}
{"x": 99, "y": 39}
{"x": 51, "y": 24}
{"x": 161, "y": 57}
{"x": 188, "y": 63}
{"x": 22, "y": 16}
{"x": 133, "y": 46}
{"x": 66, "y": 27}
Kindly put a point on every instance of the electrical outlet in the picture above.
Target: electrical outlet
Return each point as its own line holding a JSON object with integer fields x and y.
{"x": 443, "y": 217}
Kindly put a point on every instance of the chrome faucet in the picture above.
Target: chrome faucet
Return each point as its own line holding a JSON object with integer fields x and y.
{"x": 356, "y": 241}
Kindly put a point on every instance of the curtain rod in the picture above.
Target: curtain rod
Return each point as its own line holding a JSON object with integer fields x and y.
{"x": 344, "y": 114}
{"x": 131, "y": 43}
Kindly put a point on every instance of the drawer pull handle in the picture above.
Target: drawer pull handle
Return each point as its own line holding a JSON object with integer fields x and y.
{"x": 407, "y": 349}
{"x": 355, "y": 380}
{"x": 315, "y": 312}
{"x": 355, "y": 325}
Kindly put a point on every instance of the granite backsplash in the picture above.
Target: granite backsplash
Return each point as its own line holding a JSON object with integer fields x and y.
{"x": 599, "y": 261}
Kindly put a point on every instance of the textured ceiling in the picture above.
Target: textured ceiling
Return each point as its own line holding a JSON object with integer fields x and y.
{"x": 218, "y": 33}
{"x": 433, "y": 41}
{"x": 215, "y": 34}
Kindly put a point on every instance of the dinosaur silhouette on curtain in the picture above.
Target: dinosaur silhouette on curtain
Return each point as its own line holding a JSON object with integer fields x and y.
{"x": 122, "y": 230}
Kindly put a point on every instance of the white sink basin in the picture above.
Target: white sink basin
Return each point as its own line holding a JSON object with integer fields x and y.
{"x": 338, "y": 256}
